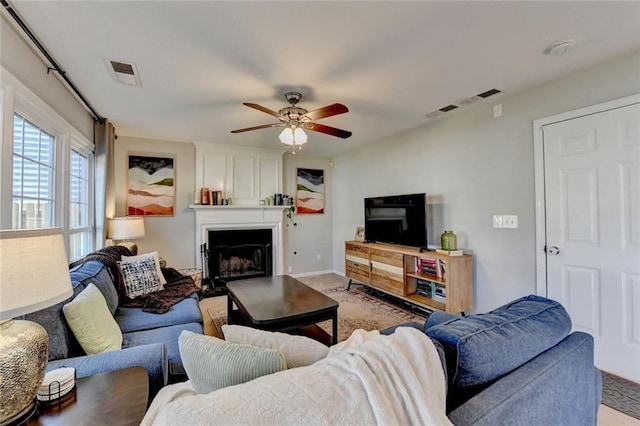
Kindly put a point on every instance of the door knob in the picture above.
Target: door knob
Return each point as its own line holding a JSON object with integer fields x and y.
{"x": 553, "y": 250}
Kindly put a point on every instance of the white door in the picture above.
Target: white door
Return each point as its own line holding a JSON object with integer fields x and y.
{"x": 592, "y": 196}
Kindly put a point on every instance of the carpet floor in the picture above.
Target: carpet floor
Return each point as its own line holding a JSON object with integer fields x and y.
{"x": 621, "y": 395}
{"x": 362, "y": 308}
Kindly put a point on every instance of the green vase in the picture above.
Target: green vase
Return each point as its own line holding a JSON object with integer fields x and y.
{"x": 449, "y": 241}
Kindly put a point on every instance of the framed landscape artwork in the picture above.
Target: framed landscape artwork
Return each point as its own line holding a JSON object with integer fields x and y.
{"x": 151, "y": 187}
{"x": 309, "y": 191}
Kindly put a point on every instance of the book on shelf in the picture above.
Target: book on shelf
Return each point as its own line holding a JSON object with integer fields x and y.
{"x": 441, "y": 269}
{"x": 426, "y": 265}
{"x": 440, "y": 293}
{"x": 425, "y": 288}
{"x": 450, "y": 252}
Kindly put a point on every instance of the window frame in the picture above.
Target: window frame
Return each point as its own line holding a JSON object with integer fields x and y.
{"x": 17, "y": 98}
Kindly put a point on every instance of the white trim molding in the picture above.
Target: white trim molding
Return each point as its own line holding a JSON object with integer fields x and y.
{"x": 219, "y": 218}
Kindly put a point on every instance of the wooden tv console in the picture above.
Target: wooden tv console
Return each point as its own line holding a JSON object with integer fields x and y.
{"x": 396, "y": 270}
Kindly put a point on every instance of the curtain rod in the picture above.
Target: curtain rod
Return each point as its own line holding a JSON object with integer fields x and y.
{"x": 54, "y": 64}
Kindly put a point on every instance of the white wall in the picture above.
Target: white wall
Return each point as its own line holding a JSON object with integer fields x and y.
{"x": 20, "y": 60}
{"x": 473, "y": 166}
{"x": 311, "y": 236}
{"x": 172, "y": 236}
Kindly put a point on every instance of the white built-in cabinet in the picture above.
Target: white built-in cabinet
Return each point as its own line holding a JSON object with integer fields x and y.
{"x": 244, "y": 174}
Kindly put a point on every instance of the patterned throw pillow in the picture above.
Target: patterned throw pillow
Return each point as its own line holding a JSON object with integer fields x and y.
{"x": 154, "y": 255}
{"x": 140, "y": 277}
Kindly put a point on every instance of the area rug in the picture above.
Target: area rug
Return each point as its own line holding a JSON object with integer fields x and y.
{"x": 621, "y": 395}
{"x": 358, "y": 310}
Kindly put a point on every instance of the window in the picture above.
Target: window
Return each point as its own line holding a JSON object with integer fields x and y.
{"x": 33, "y": 171}
{"x": 80, "y": 230}
{"x": 46, "y": 170}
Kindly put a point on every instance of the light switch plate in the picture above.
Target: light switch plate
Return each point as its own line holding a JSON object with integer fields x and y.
{"x": 497, "y": 221}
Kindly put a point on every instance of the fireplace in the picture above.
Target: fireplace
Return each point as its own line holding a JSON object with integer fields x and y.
{"x": 238, "y": 254}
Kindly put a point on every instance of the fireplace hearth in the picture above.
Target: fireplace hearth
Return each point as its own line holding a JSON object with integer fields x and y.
{"x": 239, "y": 254}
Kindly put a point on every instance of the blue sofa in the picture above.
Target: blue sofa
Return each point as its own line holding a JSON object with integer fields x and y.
{"x": 149, "y": 340}
{"x": 518, "y": 364}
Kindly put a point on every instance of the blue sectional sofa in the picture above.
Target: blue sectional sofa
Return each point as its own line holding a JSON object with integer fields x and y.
{"x": 149, "y": 340}
{"x": 518, "y": 364}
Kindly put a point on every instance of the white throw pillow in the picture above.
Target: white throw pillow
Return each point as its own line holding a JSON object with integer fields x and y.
{"x": 140, "y": 277}
{"x": 212, "y": 363}
{"x": 154, "y": 255}
{"x": 92, "y": 323}
{"x": 298, "y": 350}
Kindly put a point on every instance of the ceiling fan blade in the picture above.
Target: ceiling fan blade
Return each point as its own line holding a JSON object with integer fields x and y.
{"x": 328, "y": 130}
{"x": 264, "y": 126}
{"x": 261, "y": 108}
{"x": 328, "y": 111}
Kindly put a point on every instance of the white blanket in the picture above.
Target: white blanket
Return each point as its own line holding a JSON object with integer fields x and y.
{"x": 367, "y": 379}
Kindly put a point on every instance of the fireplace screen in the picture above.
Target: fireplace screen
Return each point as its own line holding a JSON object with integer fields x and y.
{"x": 239, "y": 254}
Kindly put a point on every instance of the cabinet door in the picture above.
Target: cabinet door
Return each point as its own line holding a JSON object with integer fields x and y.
{"x": 387, "y": 271}
{"x": 357, "y": 263}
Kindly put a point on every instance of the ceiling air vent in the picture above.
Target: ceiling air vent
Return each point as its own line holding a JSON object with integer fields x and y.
{"x": 124, "y": 72}
{"x": 464, "y": 102}
{"x": 448, "y": 108}
{"x": 489, "y": 93}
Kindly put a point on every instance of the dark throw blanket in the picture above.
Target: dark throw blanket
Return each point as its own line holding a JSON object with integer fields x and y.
{"x": 177, "y": 288}
{"x": 159, "y": 302}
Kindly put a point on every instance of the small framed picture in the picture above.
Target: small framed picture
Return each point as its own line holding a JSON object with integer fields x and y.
{"x": 359, "y": 233}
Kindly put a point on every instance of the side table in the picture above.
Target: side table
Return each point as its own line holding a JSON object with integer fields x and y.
{"x": 116, "y": 398}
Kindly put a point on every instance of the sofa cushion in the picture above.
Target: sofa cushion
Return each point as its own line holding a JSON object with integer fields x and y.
{"x": 298, "y": 351}
{"x": 213, "y": 364}
{"x": 168, "y": 336}
{"x": 62, "y": 342}
{"x": 97, "y": 273}
{"x": 483, "y": 347}
{"x": 91, "y": 322}
{"x": 140, "y": 277}
{"x": 135, "y": 319}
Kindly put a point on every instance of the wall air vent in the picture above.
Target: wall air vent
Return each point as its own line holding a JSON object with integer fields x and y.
{"x": 124, "y": 72}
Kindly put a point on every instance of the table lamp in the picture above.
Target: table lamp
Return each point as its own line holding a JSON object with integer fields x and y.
{"x": 126, "y": 229}
{"x": 34, "y": 274}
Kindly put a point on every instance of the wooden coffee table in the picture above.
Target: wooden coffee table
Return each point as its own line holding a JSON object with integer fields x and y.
{"x": 281, "y": 303}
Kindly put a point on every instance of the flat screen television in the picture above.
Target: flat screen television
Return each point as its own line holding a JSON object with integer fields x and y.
{"x": 396, "y": 219}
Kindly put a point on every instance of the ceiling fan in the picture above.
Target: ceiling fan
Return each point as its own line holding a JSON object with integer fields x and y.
{"x": 294, "y": 119}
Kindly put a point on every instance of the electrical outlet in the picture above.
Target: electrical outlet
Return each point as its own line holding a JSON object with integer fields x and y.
{"x": 497, "y": 221}
{"x": 510, "y": 221}
{"x": 319, "y": 257}
{"x": 289, "y": 269}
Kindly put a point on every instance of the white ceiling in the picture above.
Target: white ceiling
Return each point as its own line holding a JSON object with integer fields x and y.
{"x": 389, "y": 62}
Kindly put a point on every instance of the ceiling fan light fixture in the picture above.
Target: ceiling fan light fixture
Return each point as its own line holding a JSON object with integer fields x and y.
{"x": 290, "y": 136}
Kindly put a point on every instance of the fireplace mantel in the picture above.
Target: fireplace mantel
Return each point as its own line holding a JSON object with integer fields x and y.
{"x": 241, "y": 217}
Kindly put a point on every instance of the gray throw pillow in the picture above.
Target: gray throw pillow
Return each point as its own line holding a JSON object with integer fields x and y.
{"x": 299, "y": 351}
{"x": 212, "y": 363}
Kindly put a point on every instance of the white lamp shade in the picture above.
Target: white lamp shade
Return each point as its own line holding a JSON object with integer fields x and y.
{"x": 288, "y": 136}
{"x": 34, "y": 271}
{"x": 126, "y": 228}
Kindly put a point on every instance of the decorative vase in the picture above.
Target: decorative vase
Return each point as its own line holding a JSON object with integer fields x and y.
{"x": 449, "y": 241}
